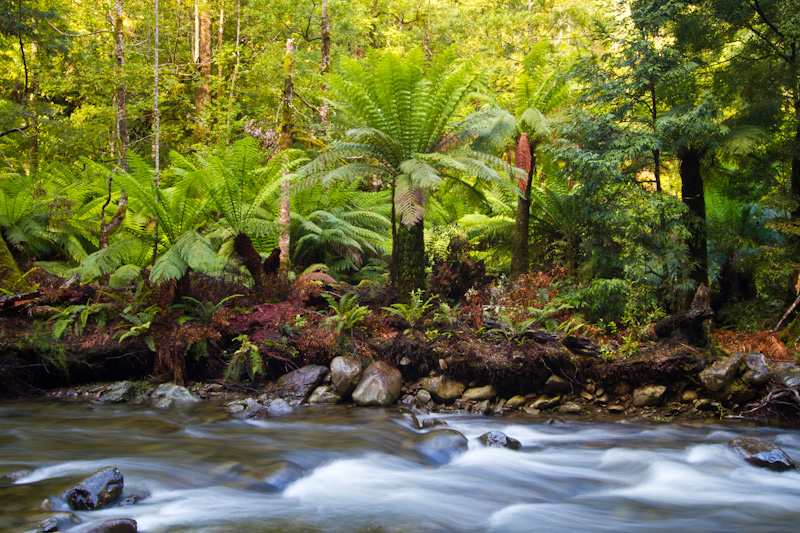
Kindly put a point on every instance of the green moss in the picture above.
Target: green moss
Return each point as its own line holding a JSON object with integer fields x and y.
{"x": 10, "y": 275}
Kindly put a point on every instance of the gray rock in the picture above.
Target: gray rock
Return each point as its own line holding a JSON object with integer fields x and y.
{"x": 279, "y": 407}
{"x": 324, "y": 395}
{"x": 443, "y": 389}
{"x": 761, "y": 453}
{"x": 256, "y": 411}
{"x": 96, "y": 491}
{"x": 439, "y": 446}
{"x": 133, "y": 498}
{"x": 757, "y": 373}
{"x": 235, "y": 407}
{"x": 787, "y": 375}
{"x": 298, "y": 384}
{"x": 380, "y": 385}
{"x": 410, "y": 419}
{"x": 478, "y": 394}
{"x": 432, "y": 423}
{"x": 571, "y": 408}
{"x": 423, "y": 396}
{"x": 648, "y": 396}
{"x": 705, "y": 405}
{"x": 116, "y": 525}
{"x": 556, "y": 385}
{"x": 345, "y": 374}
{"x": 498, "y": 439}
{"x": 719, "y": 376}
{"x": 481, "y": 408}
{"x": 58, "y": 522}
{"x": 515, "y": 402}
{"x": 170, "y": 394}
{"x": 121, "y": 392}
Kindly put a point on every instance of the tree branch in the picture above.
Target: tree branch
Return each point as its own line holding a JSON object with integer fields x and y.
{"x": 12, "y": 130}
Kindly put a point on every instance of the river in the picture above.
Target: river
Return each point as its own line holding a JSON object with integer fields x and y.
{"x": 200, "y": 469}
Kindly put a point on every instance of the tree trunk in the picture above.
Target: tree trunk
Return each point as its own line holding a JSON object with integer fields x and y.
{"x": 220, "y": 34}
{"x": 123, "y": 139}
{"x": 286, "y": 142}
{"x": 235, "y": 74}
{"x": 409, "y": 247}
{"x": 694, "y": 198}
{"x": 202, "y": 96}
{"x": 325, "y": 60}
{"x": 243, "y": 246}
{"x": 795, "y": 180}
{"x": 156, "y": 131}
{"x": 9, "y": 271}
{"x": 526, "y": 160}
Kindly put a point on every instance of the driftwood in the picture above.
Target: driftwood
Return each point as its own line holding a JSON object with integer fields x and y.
{"x": 686, "y": 327}
{"x": 16, "y": 301}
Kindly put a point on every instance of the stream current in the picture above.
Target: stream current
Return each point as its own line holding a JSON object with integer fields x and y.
{"x": 200, "y": 468}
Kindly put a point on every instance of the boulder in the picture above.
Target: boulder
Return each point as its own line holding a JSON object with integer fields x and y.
{"x": 428, "y": 423}
{"x": 556, "y": 385}
{"x": 719, "y": 376}
{"x": 571, "y": 408}
{"x": 345, "y": 374}
{"x": 757, "y": 373}
{"x": 481, "y": 408}
{"x": 121, "y": 392}
{"x": 96, "y": 491}
{"x": 380, "y": 385}
{"x": 439, "y": 446}
{"x": 298, "y": 384}
{"x": 58, "y": 522}
{"x": 787, "y": 375}
{"x": 761, "y": 453}
{"x": 324, "y": 394}
{"x": 546, "y": 402}
{"x": 170, "y": 395}
{"x": 443, "y": 388}
{"x": 648, "y": 396}
{"x": 279, "y": 407}
{"x": 498, "y": 439}
{"x": 515, "y": 402}
{"x": 479, "y": 394}
{"x": 423, "y": 396}
{"x": 116, "y": 525}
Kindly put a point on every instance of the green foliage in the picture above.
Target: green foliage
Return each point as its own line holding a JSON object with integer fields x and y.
{"x": 77, "y": 316}
{"x": 415, "y": 310}
{"x": 194, "y": 309}
{"x": 246, "y": 357}
{"x": 347, "y": 314}
{"x": 511, "y": 329}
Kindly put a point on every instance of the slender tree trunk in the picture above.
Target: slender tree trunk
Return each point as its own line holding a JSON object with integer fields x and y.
{"x": 220, "y": 34}
{"x": 156, "y": 132}
{"x": 235, "y": 74}
{"x": 325, "y": 60}
{"x": 123, "y": 139}
{"x": 202, "y": 96}
{"x": 694, "y": 198}
{"x": 656, "y": 152}
{"x": 286, "y": 142}
{"x": 410, "y": 249}
{"x": 795, "y": 178}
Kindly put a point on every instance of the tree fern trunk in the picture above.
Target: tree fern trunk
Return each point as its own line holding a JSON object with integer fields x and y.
{"x": 243, "y": 246}
{"x": 526, "y": 160}
{"x": 410, "y": 253}
{"x": 694, "y": 198}
{"x": 286, "y": 142}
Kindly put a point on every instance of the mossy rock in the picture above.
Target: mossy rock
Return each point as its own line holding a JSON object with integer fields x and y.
{"x": 10, "y": 275}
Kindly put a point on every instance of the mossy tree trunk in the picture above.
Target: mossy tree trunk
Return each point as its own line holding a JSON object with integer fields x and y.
{"x": 410, "y": 256}
{"x": 9, "y": 271}
{"x": 243, "y": 246}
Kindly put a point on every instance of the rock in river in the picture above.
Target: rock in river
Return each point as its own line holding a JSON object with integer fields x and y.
{"x": 170, "y": 394}
{"x": 498, "y": 439}
{"x": 443, "y": 389}
{"x": 719, "y": 376}
{"x": 762, "y": 453}
{"x": 96, "y": 491}
{"x": 345, "y": 374}
{"x": 116, "y": 525}
{"x": 381, "y": 385}
{"x": 298, "y": 384}
{"x": 121, "y": 392}
{"x": 439, "y": 446}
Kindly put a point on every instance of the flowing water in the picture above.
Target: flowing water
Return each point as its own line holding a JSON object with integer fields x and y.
{"x": 201, "y": 469}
